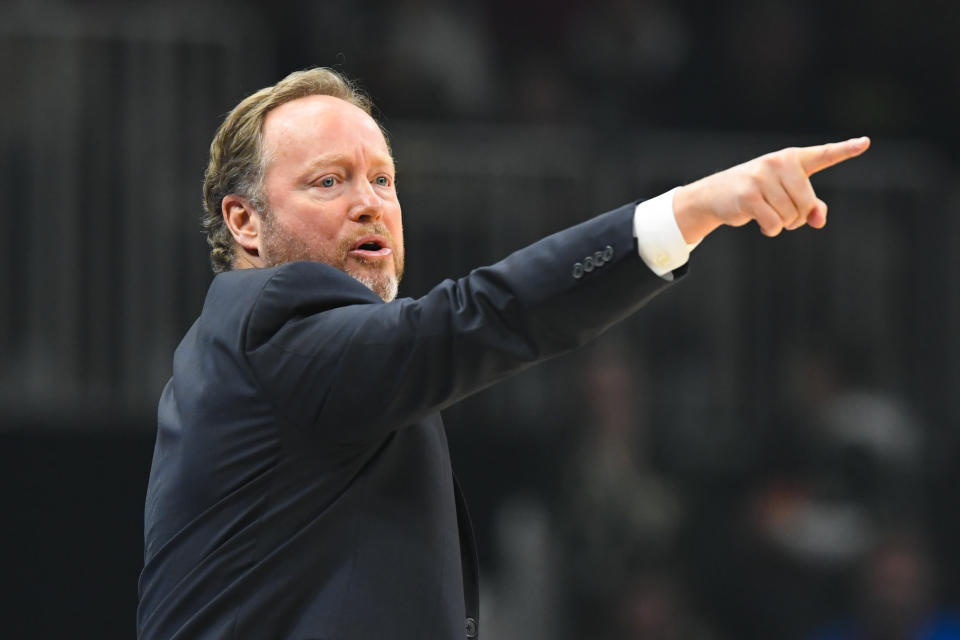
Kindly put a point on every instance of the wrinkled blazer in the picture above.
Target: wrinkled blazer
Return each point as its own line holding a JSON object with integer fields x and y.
{"x": 301, "y": 484}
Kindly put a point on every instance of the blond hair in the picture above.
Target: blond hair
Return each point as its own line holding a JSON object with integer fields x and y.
{"x": 237, "y": 161}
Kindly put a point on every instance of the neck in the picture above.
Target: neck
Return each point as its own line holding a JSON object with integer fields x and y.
{"x": 244, "y": 260}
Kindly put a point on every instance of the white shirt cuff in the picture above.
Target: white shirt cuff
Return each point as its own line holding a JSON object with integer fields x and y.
{"x": 659, "y": 240}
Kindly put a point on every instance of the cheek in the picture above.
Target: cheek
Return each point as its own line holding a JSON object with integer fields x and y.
{"x": 394, "y": 223}
{"x": 313, "y": 225}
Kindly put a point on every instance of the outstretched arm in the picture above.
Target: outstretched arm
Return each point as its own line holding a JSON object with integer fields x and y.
{"x": 773, "y": 189}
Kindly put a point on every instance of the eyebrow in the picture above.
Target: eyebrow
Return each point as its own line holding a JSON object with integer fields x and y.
{"x": 328, "y": 159}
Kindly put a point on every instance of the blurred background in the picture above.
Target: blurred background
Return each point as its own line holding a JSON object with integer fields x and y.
{"x": 767, "y": 451}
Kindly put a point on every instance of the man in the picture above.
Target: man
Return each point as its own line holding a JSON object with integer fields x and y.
{"x": 301, "y": 484}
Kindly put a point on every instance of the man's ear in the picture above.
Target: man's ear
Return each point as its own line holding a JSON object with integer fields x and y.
{"x": 244, "y": 223}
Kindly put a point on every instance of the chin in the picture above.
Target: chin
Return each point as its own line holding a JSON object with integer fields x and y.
{"x": 390, "y": 293}
{"x": 382, "y": 284}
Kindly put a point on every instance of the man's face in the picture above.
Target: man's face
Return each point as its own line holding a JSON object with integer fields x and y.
{"x": 330, "y": 192}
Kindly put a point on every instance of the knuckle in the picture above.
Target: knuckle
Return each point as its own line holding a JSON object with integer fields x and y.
{"x": 776, "y": 161}
{"x": 807, "y": 205}
{"x": 756, "y": 176}
{"x": 749, "y": 198}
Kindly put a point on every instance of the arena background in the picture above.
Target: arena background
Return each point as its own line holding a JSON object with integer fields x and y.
{"x": 738, "y": 461}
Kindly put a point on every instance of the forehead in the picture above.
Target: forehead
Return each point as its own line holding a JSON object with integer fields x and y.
{"x": 320, "y": 124}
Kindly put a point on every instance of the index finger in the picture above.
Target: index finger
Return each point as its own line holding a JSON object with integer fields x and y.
{"x": 821, "y": 156}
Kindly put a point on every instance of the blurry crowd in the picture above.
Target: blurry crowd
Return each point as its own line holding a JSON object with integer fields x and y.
{"x": 834, "y": 531}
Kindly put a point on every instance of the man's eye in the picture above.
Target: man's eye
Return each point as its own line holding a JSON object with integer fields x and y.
{"x": 382, "y": 181}
{"x": 328, "y": 181}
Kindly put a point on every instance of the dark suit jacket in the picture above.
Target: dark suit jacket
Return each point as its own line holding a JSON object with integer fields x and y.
{"x": 301, "y": 484}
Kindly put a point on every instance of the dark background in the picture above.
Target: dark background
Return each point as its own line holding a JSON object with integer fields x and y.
{"x": 724, "y": 465}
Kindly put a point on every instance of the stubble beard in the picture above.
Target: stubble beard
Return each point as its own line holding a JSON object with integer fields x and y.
{"x": 280, "y": 246}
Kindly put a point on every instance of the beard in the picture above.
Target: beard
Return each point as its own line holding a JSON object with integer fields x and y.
{"x": 280, "y": 246}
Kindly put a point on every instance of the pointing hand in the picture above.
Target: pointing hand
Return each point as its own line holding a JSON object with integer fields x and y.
{"x": 773, "y": 189}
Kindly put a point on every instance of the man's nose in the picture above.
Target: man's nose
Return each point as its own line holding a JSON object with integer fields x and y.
{"x": 367, "y": 206}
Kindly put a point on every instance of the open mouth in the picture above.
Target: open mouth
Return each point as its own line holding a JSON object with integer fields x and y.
{"x": 371, "y": 246}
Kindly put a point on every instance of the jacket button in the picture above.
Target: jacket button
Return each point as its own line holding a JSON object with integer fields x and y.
{"x": 470, "y": 627}
{"x": 588, "y": 264}
{"x": 598, "y": 258}
{"x": 608, "y": 253}
{"x": 577, "y": 270}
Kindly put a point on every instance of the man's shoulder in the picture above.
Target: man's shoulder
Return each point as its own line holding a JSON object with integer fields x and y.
{"x": 286, "y": 283}
{"x": 247, "y": 279}
{"x": 269, "y": 297}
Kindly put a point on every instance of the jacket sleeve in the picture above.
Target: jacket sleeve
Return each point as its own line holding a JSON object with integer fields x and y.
{"x": 336, "y": 360}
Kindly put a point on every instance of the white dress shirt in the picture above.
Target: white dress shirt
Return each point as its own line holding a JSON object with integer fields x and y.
{"x": 659, "y": 240}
